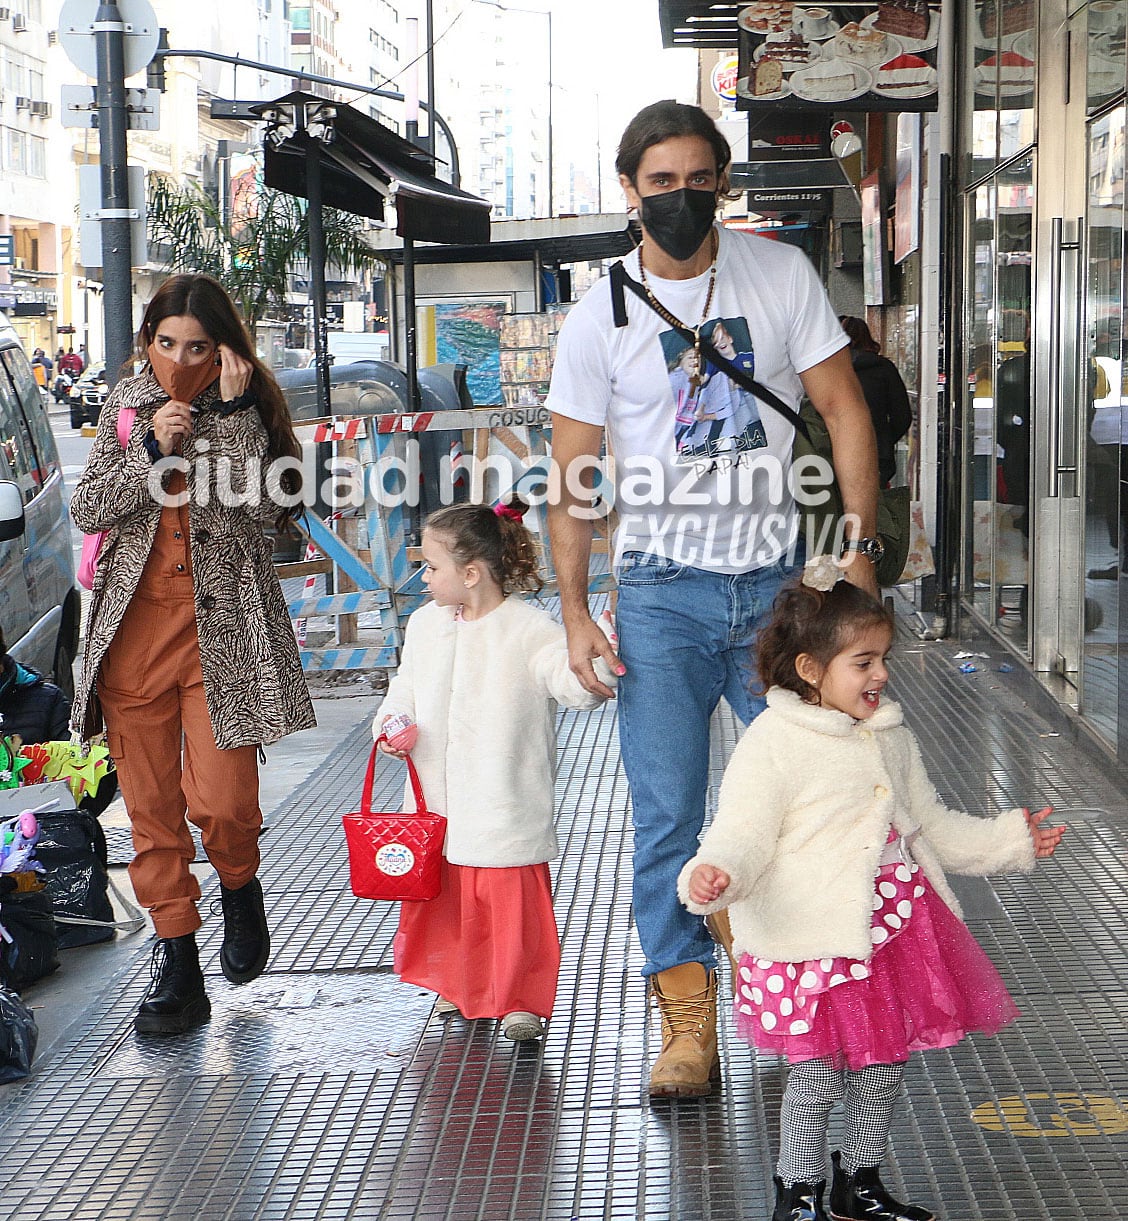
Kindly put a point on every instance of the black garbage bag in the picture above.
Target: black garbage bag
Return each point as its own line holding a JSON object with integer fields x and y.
{"x": 33, "y": 951}
{"x": 18, "y": 1036}
{"x": 72, "y": 850}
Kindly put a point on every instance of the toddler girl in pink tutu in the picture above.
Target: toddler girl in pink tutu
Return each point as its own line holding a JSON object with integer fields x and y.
{"x": 828, "y": 849}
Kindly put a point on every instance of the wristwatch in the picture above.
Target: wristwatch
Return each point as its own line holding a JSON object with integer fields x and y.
{"x": 872, "y": 548}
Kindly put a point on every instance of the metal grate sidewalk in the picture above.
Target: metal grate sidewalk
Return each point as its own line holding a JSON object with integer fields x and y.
{"x": 326, "y": 1089}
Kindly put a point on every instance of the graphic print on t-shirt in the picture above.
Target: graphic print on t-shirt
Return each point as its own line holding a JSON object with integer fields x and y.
{"x": 715, "y": 416}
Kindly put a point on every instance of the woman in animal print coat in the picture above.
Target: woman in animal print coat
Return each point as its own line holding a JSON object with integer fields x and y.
{"x": 191, "y": 663}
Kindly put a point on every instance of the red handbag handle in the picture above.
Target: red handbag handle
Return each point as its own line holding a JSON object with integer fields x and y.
{"x": 370, "y": 776}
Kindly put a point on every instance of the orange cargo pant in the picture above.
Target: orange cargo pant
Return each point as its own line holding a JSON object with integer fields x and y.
{"x": 160, "y": 736}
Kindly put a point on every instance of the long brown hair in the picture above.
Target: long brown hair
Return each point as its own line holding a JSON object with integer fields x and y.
{"x": 500, "y": 540}
{"x": 207, "y": 301}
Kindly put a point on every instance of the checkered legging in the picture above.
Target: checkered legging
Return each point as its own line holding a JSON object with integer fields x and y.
{"x": 813, "y": 1087}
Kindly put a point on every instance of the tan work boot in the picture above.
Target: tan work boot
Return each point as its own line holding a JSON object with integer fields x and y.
{"x": 721, "y": 931}
{"x": 687, "y": 1001}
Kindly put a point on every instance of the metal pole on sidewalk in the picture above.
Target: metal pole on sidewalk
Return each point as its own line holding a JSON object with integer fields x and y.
{"x": 317, "y": 271}
{"x": 117, "y": 252}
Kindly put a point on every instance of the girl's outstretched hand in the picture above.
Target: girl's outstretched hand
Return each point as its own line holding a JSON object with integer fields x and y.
{"x": 1046, "y": 839}
{"x": 707, "y": 883}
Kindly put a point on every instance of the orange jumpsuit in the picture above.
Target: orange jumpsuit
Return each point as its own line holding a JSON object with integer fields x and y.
{"x": 151, "y": 690}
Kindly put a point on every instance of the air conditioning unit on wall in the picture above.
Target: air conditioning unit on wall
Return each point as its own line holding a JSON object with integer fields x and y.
{"x": 5, "y": 13}
{"x": 23, "y": 103}
{"x": 19, "y": 22}
{"x": 42, "y": 109}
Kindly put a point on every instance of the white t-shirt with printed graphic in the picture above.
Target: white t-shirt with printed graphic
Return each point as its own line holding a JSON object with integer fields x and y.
{"x": 701, "y": 476}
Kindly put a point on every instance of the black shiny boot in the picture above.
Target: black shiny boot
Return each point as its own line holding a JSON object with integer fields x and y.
{"x": 799, "y": 1202}
{"x": 861, "y": 1196}
{"x": 246, "y": 938}
{"x": 176, "y": 1001}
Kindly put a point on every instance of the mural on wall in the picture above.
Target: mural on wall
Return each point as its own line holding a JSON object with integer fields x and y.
{"x": 876, "y": 56}
{"x": 470, "y": 334}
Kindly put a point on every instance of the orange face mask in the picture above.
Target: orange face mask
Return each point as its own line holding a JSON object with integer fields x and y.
{"x": 185, "y": 383}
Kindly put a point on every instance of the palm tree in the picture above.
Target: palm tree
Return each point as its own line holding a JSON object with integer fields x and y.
{"x": 254, "y": 251}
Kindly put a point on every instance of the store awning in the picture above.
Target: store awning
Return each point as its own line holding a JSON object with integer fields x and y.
{"x": 555, "y": 242}
{"x": 699, "y": 23}
{"x": 364, "y": 166}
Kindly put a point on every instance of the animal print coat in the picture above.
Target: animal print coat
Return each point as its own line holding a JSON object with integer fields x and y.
{"x": 253, "y": 681}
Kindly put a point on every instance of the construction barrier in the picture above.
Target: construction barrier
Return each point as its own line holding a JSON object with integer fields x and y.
{"x": 364, "y": 544}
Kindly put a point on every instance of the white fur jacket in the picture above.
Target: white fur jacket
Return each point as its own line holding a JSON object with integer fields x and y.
{"x": 803, "y": 815}
{"x": 484, "y": 696}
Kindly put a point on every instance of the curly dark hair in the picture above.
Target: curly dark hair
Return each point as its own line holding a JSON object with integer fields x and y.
{"x": 806, "y": 620}
{"x": 501, "y": 541}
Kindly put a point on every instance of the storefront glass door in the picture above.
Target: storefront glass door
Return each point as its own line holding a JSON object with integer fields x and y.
{"x": 1106, "y": 442}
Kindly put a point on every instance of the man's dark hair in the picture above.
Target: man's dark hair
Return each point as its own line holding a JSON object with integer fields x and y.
{"x": 663, "y": 121}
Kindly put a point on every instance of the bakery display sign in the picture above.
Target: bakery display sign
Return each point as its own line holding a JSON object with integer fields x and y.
{"x": 1005, "y": 54}
{"x": 873, "y": 56}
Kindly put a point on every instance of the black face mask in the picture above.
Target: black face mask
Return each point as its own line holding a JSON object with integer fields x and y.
{"x": 679, "y": 221}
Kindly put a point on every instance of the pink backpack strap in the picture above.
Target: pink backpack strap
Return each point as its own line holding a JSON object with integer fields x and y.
{"x": 126, "y": 417}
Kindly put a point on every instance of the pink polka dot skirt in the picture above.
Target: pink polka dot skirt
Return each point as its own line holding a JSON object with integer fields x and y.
{"x": 926, "y": 984}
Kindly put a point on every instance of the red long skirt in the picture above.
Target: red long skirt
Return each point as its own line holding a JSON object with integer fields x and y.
{"x": 488, "y": 943}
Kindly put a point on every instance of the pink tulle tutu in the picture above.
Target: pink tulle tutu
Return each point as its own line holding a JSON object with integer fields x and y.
{"x": 926, "y": 986}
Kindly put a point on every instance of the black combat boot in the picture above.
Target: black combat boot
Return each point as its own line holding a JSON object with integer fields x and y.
{"x": 799, "y": 1202}
{"x": 176, "y": 1000}
{"x": 246, "y": 938}
{"x": 862, "y": 1197}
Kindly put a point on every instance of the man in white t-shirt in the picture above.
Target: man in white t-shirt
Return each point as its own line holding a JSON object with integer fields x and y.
{"x": 708, "y": 526}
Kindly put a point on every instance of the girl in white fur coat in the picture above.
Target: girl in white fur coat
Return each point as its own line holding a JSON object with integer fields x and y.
{"x": 828, "y": 850}
{"x": 481, "y": 675}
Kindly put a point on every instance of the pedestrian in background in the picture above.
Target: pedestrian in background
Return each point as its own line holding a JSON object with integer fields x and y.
{"x": 190, "y": 661}
{"x": 884, "y": 391}
{"x": 481, "y": 675}
{"x": 828, "y": 849}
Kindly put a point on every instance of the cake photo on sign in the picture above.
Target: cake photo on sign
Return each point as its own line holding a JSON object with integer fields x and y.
{"x": 865, "y": 44}
{"x": 905, "y": 18}
{"x": 1005, "y": 17}
{"x": 1012, "y": 72}
{"x": 766, "y": 18}
{"x": 789, "y": 49}
{"x": 906, "y": 76}
{"x": 830, "y": 80}
{"x": 767, "y": 79}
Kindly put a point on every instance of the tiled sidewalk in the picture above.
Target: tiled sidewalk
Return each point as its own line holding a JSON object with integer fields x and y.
{"x": 326, "y": 1089}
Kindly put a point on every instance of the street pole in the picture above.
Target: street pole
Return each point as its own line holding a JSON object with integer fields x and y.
{"x": 411, "y": 85}
{"x": 551, "y": 212}
{"x": 117, "y": 252}
{"x": 429, "y": 31}
{"x": 317, "y": 271}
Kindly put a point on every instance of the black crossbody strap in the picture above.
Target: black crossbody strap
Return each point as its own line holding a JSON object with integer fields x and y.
{"x": 620, "y": 279}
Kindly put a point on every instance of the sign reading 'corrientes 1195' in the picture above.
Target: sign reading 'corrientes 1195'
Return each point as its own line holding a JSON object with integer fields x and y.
{"x": 871, "y": 56}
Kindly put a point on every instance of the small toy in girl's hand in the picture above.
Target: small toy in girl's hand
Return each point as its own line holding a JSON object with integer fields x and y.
{"x": 402, "y": 732}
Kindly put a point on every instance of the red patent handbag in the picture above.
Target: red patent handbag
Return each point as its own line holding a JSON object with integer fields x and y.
{"x": 394, "y": 856}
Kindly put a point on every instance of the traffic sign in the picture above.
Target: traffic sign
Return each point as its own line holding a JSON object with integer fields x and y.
{"x": 90, "y": 215}
{"x": 76, "y": 34}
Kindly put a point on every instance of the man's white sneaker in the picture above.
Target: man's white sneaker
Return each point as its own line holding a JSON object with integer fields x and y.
{"x": 520, "y": 1026}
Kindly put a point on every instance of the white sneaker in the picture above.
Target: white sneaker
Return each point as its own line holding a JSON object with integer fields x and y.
{"x": 520, "y": 1026}
{"x": 445, "y": 1008}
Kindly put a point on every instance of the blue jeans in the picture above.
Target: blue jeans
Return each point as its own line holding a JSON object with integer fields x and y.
{"x": 686, "y": 637}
